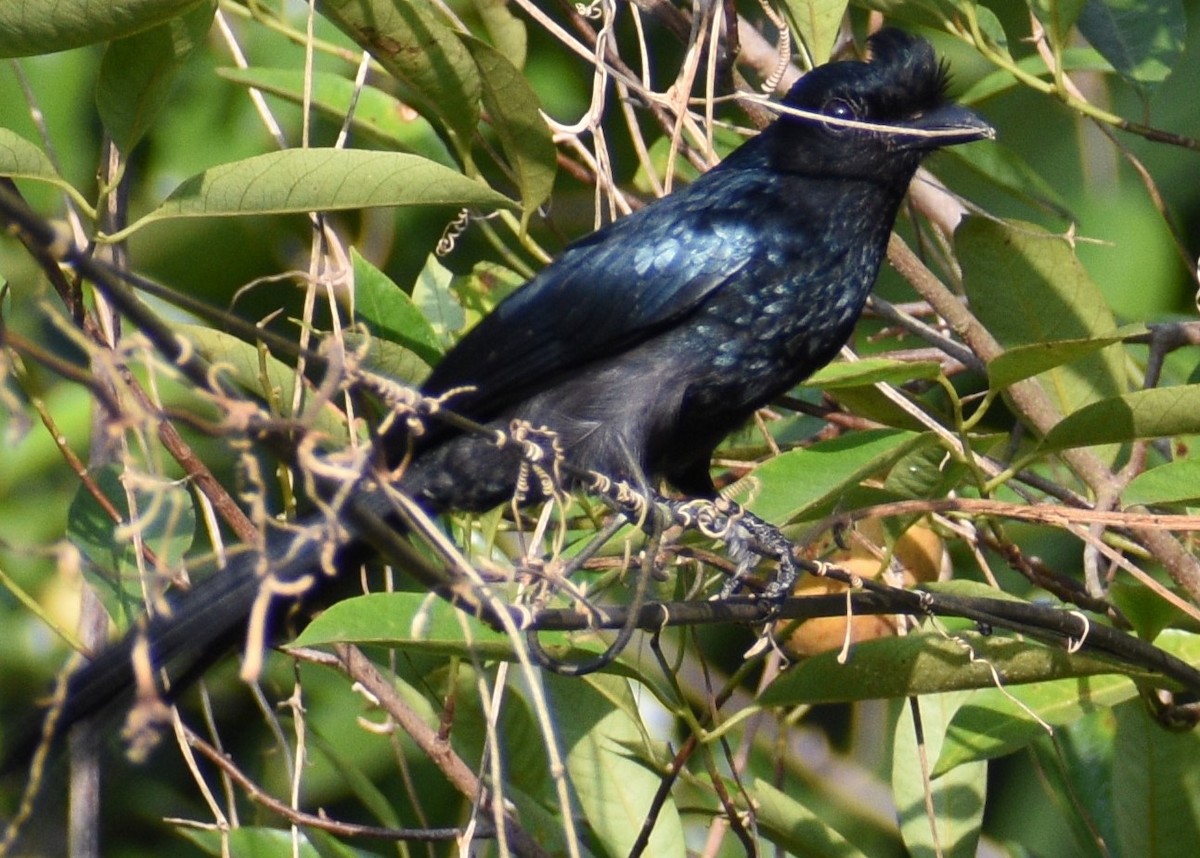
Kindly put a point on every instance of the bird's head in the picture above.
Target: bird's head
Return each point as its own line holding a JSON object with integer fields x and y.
{"x": 899, "y": 99}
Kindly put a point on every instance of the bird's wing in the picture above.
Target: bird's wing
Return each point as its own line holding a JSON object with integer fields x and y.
{"x": 605, "y": 294}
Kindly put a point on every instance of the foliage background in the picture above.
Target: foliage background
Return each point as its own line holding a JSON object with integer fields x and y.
{"x": 825, "y": 779}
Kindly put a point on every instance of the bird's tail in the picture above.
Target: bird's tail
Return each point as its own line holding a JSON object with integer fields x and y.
{"x": 225, "y": 610}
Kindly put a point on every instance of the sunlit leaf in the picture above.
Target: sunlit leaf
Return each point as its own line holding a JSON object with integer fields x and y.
{"x": 816, "y": 22}
{"x": 1027, "y": 286}
{"x": 390, "y": 312}
{"x": 1155, "y": 413}
{"x": 795, "y": 482}
{"x": 1022, "y": 362}
{"x": 303, "y": 180}
{"x": 926, "y": 663}
{"x": 1174, "y": 482}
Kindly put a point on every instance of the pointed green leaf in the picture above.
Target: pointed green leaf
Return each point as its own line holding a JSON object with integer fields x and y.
{"x": 1155, "y": 799}
{"x": 993, "y": 723}
{"x": 872, "y": 371}
{"x": 1027, "y": 286}
{"x": 794, "y": 827}
{"x": 381, "y": 116}
{"x": 1143, "y": 39}
{"x": 1156, "y": 413}
{"x": 926, "y": 663}
{"x": 138, "y": 72}
{"x": 410, "y": 39}
{"x": 817, "y": 23}
{"x": 513, "y": 110}
{"x": 259, "y": 373}
{"x": 1022, "y": 362}
{"x": 390, "y": 313}
{"x": 958, "y": 797}
{"x": 29, "y": 27}
{"x": 792, "y": 484}
{"x": 1174, "y": 482}
{"x": 304, "y": 180}
{"x": 505, "y": 31}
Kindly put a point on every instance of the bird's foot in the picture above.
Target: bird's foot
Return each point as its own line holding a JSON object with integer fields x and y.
{"x": 748, "y": 536}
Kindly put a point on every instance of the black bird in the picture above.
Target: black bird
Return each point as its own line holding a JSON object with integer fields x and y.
{"x": 645, "y": 343}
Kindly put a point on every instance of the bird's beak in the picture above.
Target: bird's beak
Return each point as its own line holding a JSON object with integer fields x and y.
{"x": 947, "y": 125}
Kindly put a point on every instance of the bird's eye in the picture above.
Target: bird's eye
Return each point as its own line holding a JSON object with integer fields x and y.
{"x": 839, "y": 108}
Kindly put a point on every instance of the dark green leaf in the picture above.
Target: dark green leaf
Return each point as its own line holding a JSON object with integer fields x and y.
{"x": 163, "y": 516}
{"x": 513, "y": 110}
{"x": 1143, "y": 39}
{"x": 29, "y": 27}
{"x": 926, "y": 663}
{"x": 412, "y": 42}
{"x": 138, "y": 72}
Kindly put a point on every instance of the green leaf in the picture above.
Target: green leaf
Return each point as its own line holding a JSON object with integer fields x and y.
{"x": 29, "y": 27}
{"x": 138, "y": 72}
{"x": 505, "y": 30}
{"x": 20, "y": 159}
{"x": 817, "y": 23}
{"x": 1174, "y": 482}
{"x": 958, "y": 798}
{"x": 794, "y": 483}
{"x": 1057, "y": 16}
{"x": 1022, "y": 362}
{"x": 872, "y": 371}
{"x": 1155, "y": 413}
{"x": 439, "y": 305}
{"x": 417, "y": 621}
{"x": 249, "y": 842}
{"x": 377, "y": 114}
{"x": 1143, "y": 39}
{"x": 993, "y": 723}
{"x": 513, "y": 110}
{"x": 259, "y": 373}
{"x": 595, "y": 722}
{"x": 390, "y": 313}
{"x": 1079, "y": 59}
{"x": 795, "y": 828}
{"x": 164, "y": 517}
{"x": 410, "y": 40}
{"x": 1002, "y": 166}
{"x": 1155, "y": 797}
{"x": 1027, "y": 286}
{"x": 926, "y": 663}
{"x": 296, "y": 181}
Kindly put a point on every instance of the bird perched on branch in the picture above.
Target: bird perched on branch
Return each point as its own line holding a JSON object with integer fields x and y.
{"x": 642, "y": 345}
